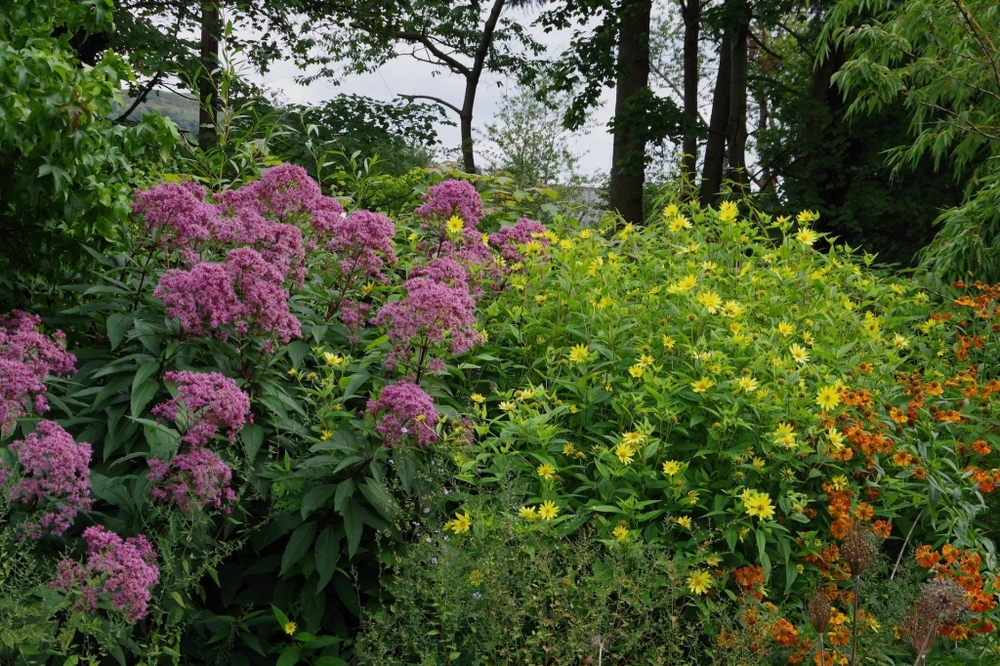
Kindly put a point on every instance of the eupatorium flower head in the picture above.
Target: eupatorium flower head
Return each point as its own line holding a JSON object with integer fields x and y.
{"x": 205, "y": 402}
{"x": 176, "y": 214}
{"x": 404, "y": 410}
{"x": 196, "y": 479}
{"x": 431, "y": 314}
{"x": 453, "y": 197}
{"x": 508, "y": 240}
{"x": 56, "y": 475}
{"x": 245, "y": 292}
{"x": 125, "y": 570}
{"x": 363, "y": 241}
{"x": 27, "y": 357}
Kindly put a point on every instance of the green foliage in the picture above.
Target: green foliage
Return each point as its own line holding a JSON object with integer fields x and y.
{"x": 501, "y": 594}
{"x": 528, "y": 143}
{"x": 653, "y": 385}
{"x": 940, "y": 58}
{"x": 68, "y": 171}
{"x": 835, "y": 164}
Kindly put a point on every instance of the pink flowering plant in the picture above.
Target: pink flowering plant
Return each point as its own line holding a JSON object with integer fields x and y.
{"x": 266, "y": 385}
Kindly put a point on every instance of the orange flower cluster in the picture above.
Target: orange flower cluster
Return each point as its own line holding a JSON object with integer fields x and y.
{"x": 950, "y": 416}
{"x": 856, "y": 398}
{"x": 784, "y": 632}
{"x": 839, "y": 506}
{"x": 986, "y": 480}
{"x": 963, "y": 568}
{"x": 983, "y": 303}
{"x": 751, "y": 580}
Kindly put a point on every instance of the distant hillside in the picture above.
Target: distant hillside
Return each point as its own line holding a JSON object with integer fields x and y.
{"x": 178, "y": 108}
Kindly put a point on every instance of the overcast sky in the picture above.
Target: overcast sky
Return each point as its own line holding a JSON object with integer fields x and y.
{"x": 405, "y": 75}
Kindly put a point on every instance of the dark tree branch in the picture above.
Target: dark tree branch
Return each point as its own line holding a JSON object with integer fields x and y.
{"x": 437, "y": 100}
{"x": 457, "y": 66}
{"x": 140, "y": 98}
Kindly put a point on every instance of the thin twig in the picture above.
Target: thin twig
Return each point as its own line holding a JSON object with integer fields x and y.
{"x": 905, "y": 541}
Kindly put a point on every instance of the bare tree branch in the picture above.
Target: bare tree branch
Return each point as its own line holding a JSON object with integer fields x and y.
{"x": 433, "y": 99}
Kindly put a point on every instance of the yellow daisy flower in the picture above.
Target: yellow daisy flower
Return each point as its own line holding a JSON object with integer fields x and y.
{"x": 828, "y": 397}
{"x": 728, "y": 211}
{"x": 455, "y": 224}
{"x": 807, "y": 236}
{"x": 579, "y": 354}
{"x": 546, "y": 471}
{"x": 700, "y": 582}
{"x": 625, "y": 453}
{"x": 799, "y": 353}
{"x": 685, "y": 522}
{"x": 548, "y": 510}
{"x": 702, "y": 385}
{"x": 710, "y": 301}
{"x": 671, "y": 467}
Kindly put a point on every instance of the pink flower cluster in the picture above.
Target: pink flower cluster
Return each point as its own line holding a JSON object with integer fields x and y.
{"x": 239, "y": 249}
{"x": 205, "y": 401}
{"x": 403, "y": 410}
{"x": 56, "y": 475}
{"x": 431, "y": 314}
{"x": 286, "y": 192}
{"x": 508, "y": 240}
{"x": 26, "y": 358}
{"x": 245, "y": 292}
{"x": 453, "y": 197}
{"x": 177, "y": 216}
{"x": 262, "y": 215}
{"x": 125, "y": 569}
{"x": 363, "y": 241}
{"x": 195, "y": 479}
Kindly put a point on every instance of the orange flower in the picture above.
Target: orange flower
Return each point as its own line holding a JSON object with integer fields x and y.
{"x": 864, "y": 511}
{"x": 897, "y": 415}
{"x": 865, "y": 368}
{"x": 784, "y": 632}
{"x": 926, "y": 557}
{"x": 727, "y": 638}
{"x": 950, "y": 554}
{"x": 841, "y": 526}
{"x": 981, "y": 447}
{"x": 933, "y": 388}
{"x": 949, "y": 416}
{"x": 882, "y": 528}
{"x": 903, "y": 458}
{"x": 840, "y": 635}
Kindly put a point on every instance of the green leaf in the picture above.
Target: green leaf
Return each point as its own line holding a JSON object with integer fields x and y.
{"x": 353, "y": 526}
{"x": 345, "y": 489}
{"x": 298, "y": 546}
{"x": 252, "y": 436}
{"x": 280, "y": 616}
{"x": 316, "y": 497}
{"x": 380, "y": 499}
{"x": 118, "y": 325}
{"x": 290, "y": 656}
{"x": 327, "y": 554}
{"x": 143, "y": 395}
{"x": 297, "y": 351}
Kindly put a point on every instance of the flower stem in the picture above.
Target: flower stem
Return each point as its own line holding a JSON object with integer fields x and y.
{"x": 854, "y": 640}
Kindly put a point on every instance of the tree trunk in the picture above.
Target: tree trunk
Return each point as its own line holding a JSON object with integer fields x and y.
{"x": 472, "y": 85}
{"x": 628, "y": 156}
{"x": 736, "y": 130}
{"x": 208, "y": 78}
{"x": 715, "y": 149}
{"x": 468, "y": 155}
{"x": 691, "y": 12}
